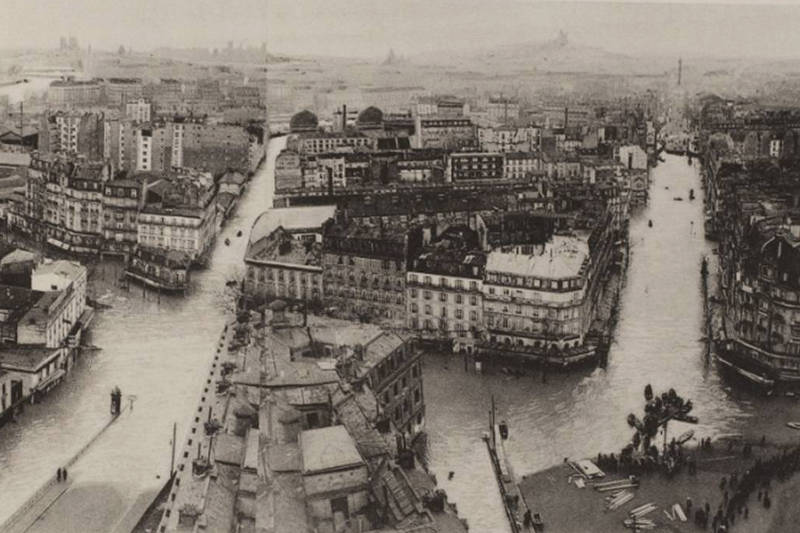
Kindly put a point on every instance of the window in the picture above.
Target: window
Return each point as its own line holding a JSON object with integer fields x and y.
{"x": 427, "y": 309}
{"x": 417, "y": 396}
{"x": 442, "y": 297}
{"x": 473, "y": 300}
{"x": 414, "y": 308}
{"x": 459, "y": 313}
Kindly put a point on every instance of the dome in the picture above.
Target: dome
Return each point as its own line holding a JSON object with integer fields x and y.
{"x": 304, "y": 121}
{"x": 370, "y": 116}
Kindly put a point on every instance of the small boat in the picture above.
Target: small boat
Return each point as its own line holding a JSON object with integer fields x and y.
{"x": 239, "y": 233}
{"x": 678, "y": 199}
{"x": 227, "y": 242}
{"x": 650, "y": 223}
{"x": 793, "y": 425}
{"x": 686, "y": 437}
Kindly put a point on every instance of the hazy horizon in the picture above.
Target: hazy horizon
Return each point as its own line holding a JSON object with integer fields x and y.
{"x": 368, "y": 29}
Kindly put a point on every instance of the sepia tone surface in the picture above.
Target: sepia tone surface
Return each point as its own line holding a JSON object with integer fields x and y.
{"x": 410, "y": 266}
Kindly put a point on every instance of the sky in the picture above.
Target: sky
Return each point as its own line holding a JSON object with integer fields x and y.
{"x": 368, "y": 28}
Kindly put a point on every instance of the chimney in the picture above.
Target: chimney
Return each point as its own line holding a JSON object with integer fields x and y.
{"x": 630, "y": 160}
{"x": 566, "y": 118}
{"x": 344, "y": 117}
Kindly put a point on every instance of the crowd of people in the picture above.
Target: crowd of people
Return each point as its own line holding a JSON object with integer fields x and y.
{"x": 736, "y": 490}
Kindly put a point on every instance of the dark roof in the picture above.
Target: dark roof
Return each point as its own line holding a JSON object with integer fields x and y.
{"x": 394, "y": 143}
{"x": 370, "y": 116}
{"x": 25, "y": 356}
{"x": 18, "y": 300}
{"x": 304, "y": 121}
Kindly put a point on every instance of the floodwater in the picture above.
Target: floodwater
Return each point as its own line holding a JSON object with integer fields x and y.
{"x": 659, "y": 340}
{"x": 157, "y": 349}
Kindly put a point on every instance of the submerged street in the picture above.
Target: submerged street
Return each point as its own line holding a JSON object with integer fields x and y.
{"x": 659, "y": 340}
{"x": 155, "y": 348}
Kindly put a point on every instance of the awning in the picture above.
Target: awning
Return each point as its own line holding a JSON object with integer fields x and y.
{"x": 50, "y": 380}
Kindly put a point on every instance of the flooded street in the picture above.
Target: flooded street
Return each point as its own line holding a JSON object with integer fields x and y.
{"x": 158, "y": 350}
{"x": 658, "y": 341}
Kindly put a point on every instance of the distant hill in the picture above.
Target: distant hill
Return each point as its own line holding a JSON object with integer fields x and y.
{"x": 555, "y": 55}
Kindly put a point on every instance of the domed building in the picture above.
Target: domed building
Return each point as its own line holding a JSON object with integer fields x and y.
{"x": 371, "y": 117}
{"x": 304, "y": 121}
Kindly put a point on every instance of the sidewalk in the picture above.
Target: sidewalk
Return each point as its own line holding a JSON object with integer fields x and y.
{"x": 48, "y": 497}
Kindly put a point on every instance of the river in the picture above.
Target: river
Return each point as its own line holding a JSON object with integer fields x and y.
{"x": 157, "y": 349}
{"x": 658, "y": 341}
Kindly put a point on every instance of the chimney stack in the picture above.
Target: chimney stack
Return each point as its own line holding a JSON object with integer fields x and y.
{"x": 344, "y": 117}
{"x": 566, "y": 118}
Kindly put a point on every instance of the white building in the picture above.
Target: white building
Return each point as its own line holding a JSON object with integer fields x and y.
{"x": 138, "y": 110}
{"x": 632, "y": 156}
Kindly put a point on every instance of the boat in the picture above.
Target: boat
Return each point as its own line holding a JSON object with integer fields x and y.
{"x": 650, "y": 223}
{"x": 231, "y": 283}
{"x": 678, "y": 199}
{"x": 227, "y": 242}
{"x": 239, "y": 233}
{"x": 686, "y": 437}
{"x": 793, "y": 425}
{"x": 691, "y": 194}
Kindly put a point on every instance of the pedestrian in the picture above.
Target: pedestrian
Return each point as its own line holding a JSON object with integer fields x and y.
{"x": 58, "y": 475}
{"x": 64, "y": 472}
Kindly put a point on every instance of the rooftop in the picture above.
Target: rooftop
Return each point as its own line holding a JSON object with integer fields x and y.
{"x": 26, "y": 357}
{"x": 329, "y": 448}
{"x": 381, "y": 347}
{"x": 60, "y": 267}
{"x": 291, "y": 219}
{"x": 17, "y": 256}
{"x": 560, "y": 258}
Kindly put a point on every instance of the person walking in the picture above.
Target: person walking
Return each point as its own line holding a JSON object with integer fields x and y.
{"x": 64, "y": 471}
{"x": 58, "y": 475}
